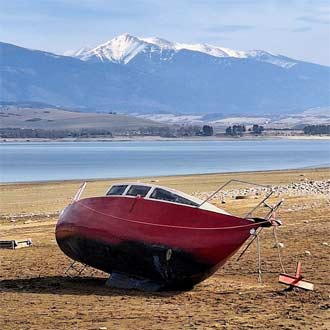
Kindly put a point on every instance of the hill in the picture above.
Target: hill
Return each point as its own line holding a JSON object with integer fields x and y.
{"x": 47, "y": 118}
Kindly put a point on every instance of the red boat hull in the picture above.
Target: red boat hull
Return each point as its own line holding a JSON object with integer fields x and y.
{"x": 161, "y": 246}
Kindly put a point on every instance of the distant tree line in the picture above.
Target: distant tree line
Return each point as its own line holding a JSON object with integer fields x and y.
{"x": 282, "y": 129}
{"x": 235, "y": 130}
{"x": 174, "y": 131}
{"x": 317, "y": 129}
{"x": 26, "y": 133}
{"x": 206, "y": 130}
{"x": 163, "y": 131}
{"x": 256, "y": 129}
{"x": 239, "y": 130}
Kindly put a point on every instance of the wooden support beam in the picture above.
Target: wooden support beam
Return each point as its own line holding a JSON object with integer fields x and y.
{"x": 296, "y": 280}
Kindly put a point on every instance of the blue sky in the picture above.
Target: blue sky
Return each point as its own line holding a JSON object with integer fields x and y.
{"x": 296, "y": 28}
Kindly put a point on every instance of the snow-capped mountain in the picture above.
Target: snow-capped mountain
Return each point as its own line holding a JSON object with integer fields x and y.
{"x": 151, "y": 75}
{"x": 126, "y": 47}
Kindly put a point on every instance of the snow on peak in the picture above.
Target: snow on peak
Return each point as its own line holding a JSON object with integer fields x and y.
{"x": 120, "y": 49}
{"x": 77, "y": 53}
{"x": 203, "y": 48}
{"x": 212, "y": 50}
{"x": 125, "y": 47}
{"x": 162, "y": 43}
{"x": 272, "y": 58}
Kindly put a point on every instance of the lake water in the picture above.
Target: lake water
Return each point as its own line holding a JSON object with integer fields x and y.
{"x": 30, "y": 161}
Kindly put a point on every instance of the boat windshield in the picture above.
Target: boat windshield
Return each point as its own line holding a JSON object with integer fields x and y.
{"x": 117, "y": 190}
{"x": 165, "y": 195}
{"x": 138, "y": 190}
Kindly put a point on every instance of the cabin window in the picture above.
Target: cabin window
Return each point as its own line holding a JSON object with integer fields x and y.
{"x": 136, "y": 190}
{"x": 166, "y": 195}
{"x": 117, "y": 190}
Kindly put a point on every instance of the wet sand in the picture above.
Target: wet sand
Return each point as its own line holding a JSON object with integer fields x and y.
{"x": 35, "y": 293}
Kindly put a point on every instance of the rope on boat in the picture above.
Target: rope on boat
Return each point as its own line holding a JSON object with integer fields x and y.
{"x": 251, "y": 241}
{"x": 256, "y": 236}
{"x": 259, "y": 258}
{"x": 278, "y": 249}
{"x": 253, "y": 224}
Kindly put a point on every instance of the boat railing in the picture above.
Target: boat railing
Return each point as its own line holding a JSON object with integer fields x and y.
{"x": 262, "y": 202}
{"x": 79, "y": 192}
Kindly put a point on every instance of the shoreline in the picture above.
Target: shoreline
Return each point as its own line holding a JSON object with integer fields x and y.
{"x": 191, "y": 175}
{"x": 158, "y": 138}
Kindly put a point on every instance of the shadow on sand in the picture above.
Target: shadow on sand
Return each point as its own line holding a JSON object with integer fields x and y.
{"x": 61, "y": 285}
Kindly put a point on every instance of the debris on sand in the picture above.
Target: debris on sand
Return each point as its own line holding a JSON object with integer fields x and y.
{"x": 305, "y": 188}
{"x": 279, "y": 245}
{"x": 15, "y": 244}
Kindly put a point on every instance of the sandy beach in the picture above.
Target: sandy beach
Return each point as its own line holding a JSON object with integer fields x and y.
{"x": 36, "y": 294}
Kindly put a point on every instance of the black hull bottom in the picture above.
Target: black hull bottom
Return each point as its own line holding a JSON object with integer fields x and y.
{"x": 137, "y": 265}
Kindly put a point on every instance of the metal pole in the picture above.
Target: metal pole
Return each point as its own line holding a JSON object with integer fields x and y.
{"x": 79, "y": 192}
{"x": 261, "y": 202}
{"x": 254, "y": 237}
{"x": 227, "y": 183}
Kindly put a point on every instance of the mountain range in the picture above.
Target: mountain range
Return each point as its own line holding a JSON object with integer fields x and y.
{"x": 153, "y": 75}
{"x": 124, "y": 48}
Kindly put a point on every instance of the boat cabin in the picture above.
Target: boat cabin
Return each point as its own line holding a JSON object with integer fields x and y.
{"x": 159, "y": 193}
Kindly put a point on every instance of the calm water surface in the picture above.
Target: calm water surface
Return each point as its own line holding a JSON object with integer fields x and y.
{"x": 85, "y": 160}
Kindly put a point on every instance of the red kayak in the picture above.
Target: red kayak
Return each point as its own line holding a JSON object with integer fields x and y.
{"x": 151, "y": 237}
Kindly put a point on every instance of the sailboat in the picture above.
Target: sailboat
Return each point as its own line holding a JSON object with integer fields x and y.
{"x": 151, "y": 237}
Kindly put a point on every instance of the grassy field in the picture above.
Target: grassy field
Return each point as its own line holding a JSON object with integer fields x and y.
{"x": 49, "y": 118}
{"x": 35, "y": 294}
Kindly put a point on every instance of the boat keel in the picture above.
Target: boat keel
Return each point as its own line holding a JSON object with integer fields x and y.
{"x": 122, "y": 281}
